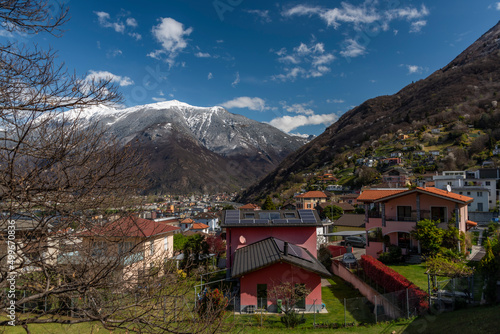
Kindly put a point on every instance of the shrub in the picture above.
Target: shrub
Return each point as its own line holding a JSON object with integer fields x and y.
{"x": 392, "y": 281}
{"x": 394, "y": 255}
{"x": 212, "y": 304}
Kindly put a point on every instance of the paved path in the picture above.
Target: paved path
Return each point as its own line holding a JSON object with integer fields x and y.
{"x": 477, "y": 251}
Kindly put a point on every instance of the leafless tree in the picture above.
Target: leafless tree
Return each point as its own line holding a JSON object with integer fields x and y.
{"x": 63, "y": 184}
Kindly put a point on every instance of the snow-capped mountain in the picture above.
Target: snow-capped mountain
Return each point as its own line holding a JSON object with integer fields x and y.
{"x": 196, "y": 148}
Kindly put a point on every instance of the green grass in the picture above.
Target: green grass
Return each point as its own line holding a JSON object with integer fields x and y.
{"x": 415, "y": 273}
{"x": 483, "y": 319}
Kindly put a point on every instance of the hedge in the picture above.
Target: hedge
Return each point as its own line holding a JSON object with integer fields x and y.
{"x": 392, "y": 281}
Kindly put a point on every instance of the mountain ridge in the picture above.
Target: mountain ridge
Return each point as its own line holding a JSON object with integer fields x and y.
{"x": 224, "y": 151}
{"x": 465, "y": 87}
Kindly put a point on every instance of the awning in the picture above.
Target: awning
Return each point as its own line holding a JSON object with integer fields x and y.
{"x": 470, "y": 224}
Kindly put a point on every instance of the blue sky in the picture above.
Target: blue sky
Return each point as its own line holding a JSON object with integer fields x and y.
{"x": 297, "y": 65}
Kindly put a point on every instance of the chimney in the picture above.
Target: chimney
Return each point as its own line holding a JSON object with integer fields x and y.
{"x": 286, "y": 249}
{"x": 423, "y": 184}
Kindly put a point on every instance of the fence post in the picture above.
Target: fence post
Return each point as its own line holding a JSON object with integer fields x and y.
{"x": 314, "y": 310}
{"x": 261, "y": 309}
{"x": 345, "y": 316}
{"x": 407, "y": 305}
{"x": 376, "y": 308}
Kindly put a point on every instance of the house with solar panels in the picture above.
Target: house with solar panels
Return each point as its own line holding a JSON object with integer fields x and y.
{"x": 266, "y": 248}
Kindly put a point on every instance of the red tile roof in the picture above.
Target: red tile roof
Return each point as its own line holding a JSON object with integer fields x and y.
{"x": 250, "y": 206}
{"x": 199, "y": 226}
{"x": 371, "y": 195}
{"x": 131, "y": 227}
{"x": 313, "y": 194}
{"x": 445, "y": 193}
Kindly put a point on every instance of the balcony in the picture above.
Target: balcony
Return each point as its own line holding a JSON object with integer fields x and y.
{"x": 392, "y": 225}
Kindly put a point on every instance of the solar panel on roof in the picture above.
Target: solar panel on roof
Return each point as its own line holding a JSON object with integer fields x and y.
{"x": 293, "y": 250}
{"x": 280, "y": 221}
{"x": 299, "y": 252}
{"x": 294, "y": 221}
{"x": 232, "y": 213}
{"x": 232, "y": 221}
{"x": 280, "y": 244}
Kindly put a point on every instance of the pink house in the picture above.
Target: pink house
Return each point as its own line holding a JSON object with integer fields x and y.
{"x": 396, "y": 211}
{"x": 266, "y": 248}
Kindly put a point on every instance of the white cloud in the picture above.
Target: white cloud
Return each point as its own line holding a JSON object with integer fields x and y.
{"x": 418, "y": 25}
{"x": 368, "y": 16}
{"x": 263, "y": 15}
{"x": 408, "y": 13}
{"x": 135, "y": 35}
{"x": 236, "y": 80}
{"x": 353, "y": 49}
{"x": 497, "y": 6}
{"x": 210, "y": 76}
{"x": 413, "y": 69}
{"x": 103, "y": 19}
{"x": 5, "y": 33}
{"x": 313, "y": 58}
{"x": 336, "y": 16}
{"x": 335, "y": 101}
{"x": 323, "y": 59}
{"x": 298, "y": 108}
{"x": 289, "y": 59}
{"x": 105, "y": 75}
{"x": 202, "y": 55}
{"x": 171, "y": 35}
{"x": 252, "y": 103}
{"x": 289, "y": 123}
{"x": 158, "y": 99}
{"x": 114, "y": 53}
{"x": 131, "y": 22}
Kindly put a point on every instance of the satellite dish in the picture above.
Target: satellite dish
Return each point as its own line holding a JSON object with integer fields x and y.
{"x": 242, "y": 239}
{"x": 448, "y": 187}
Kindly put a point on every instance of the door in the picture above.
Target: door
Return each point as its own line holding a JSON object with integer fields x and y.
{"x": 262, "y": 296}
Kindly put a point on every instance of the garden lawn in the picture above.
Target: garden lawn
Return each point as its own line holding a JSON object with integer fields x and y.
{"x": 415, "y": 273}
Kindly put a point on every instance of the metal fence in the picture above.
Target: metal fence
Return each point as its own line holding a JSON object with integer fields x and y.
{"x": 332, "y": 312}
{"x": 450, "y": 294}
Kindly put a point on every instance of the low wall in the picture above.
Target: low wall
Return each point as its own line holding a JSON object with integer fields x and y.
{"x": 366, "y": 290}
{"x": 482, "y": 218}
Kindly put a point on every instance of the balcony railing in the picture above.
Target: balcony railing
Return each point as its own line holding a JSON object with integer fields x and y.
{"x": 424, "y": 214}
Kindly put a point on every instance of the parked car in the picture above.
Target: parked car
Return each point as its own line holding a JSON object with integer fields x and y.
{"x": 354, "y": 241}
{"x": 349, "y": 260}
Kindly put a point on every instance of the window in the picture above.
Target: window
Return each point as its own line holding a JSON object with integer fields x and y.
{"x": 289, "y": 215}
{"x": 99, "y": 248}
{"x": 151, "y": 247}
{"x": 308, "y": 205}
{"x": 479, "y": 206}
{"x": 125, "y": 247}
{"x": 438, "y": 213}
{"x": 468, "y": 193}
{"x": 249, "y": 215}
{"x": 488, "y": 183}
{"x": 404, "y": 213}
{"x": 165, "y": 243}
{"x": 262, "y": 296}
{"x": 479, "y": 194}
